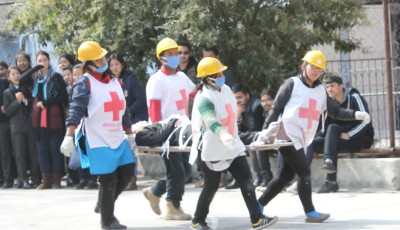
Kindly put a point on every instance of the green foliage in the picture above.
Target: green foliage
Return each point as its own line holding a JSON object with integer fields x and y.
{"x": 261, "y": 41}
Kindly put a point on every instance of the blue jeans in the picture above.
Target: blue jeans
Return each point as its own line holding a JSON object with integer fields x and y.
{"x": 48, "y": 146}
{"x": 174, "y": 182}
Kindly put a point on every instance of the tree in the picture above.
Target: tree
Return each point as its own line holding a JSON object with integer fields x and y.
{"x": 262, "y": 41}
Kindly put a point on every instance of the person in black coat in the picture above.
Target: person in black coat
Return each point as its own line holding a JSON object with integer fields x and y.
{"x": 17, "y": 108}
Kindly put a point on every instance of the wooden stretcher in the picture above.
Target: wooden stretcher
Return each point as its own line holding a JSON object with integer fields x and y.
{"x": 276, "y": 145}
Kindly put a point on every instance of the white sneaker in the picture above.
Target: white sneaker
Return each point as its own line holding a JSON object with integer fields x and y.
{"x": 292, "y": 188}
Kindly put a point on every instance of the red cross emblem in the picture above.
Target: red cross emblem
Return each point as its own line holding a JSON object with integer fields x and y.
{"x": 310, "y": 113}
{"x": 114, "y": 106}
{"x": 229, "y": 121}
{"x": 183, "y": 103}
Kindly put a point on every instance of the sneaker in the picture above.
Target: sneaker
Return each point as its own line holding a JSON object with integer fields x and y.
{"x": 200, "y": 226}
{"x": 329, "y": 186}
{"x": 265, "y": 222}
{"x": 320, "y": 218}
{"x": 328, "y": 167}
{"x": 154, "y": 200}
{"x": 292, "y": 188}
{"x": 114, "y": 225}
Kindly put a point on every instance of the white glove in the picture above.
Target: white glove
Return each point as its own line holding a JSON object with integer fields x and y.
{"x": 362, "y": 116}
{"x": 67, "y": 146}
{"x": 132, "y": 143}
{"x": 268, "y": 135}
{"x": 229, "y": 141}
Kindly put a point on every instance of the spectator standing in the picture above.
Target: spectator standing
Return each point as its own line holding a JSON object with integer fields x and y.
{"x": 66, "y": 61}
{"x": 188, "y": 63}
{"x": 98, "y": 99}
{"x": 167, "y": 93}
{"x": 220, "y": 147}
{"x": 17, "y": 108}
{"x": 134, "y": 95}
{"x": 5, "y": 135}
{"x": 214, "y": 52}
{"x": 341, "y": 136}
{"x": 48, "y": 119}
{"x": 299, "y": 103}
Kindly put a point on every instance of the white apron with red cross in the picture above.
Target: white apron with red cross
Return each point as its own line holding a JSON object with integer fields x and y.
{"x": 106, "y": 107}
{"x": 225, "y": 107}
{"x": 301, "y": 115}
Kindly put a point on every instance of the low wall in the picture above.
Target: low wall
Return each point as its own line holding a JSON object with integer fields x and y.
{"x": 353, "y": 173}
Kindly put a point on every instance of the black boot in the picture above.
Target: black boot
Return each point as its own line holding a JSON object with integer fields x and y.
{"x": 106, "y": 202}
{"x": 232, "y": 185}
{"x": 115, "y": 225}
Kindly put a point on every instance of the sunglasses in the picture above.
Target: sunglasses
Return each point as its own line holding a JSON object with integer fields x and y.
{"x": 184, "y": 52}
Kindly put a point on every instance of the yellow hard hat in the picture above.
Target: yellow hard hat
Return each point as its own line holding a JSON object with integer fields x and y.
{"x": 208, "y": 66}
{"x": 315, "y": 58}
{"x": 90, "y": 51}
{"x": 166, "y": 44}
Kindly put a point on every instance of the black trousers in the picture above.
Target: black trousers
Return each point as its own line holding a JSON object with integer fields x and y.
{"x": 331, "y": 145}
{"x": 6, "y": 153}
{"x": 111, "y": 186}
{"x": 240, "y": 170}
{"x": 294, "y": 162}
{"x": 24, "y": 145}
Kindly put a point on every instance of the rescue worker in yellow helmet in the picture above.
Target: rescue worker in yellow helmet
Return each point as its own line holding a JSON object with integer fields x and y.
{"x": 98, "y": 100}
{"x": 167, "y": 92}
{"x": 220, "y": 148}
{"x": 296, "y": 109}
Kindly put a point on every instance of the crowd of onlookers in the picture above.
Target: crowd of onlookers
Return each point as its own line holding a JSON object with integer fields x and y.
{"x": 34, "y": 102}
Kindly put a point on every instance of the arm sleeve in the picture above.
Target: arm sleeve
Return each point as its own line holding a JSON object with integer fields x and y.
{"x": 11, "y": 105}
{"x": 138, "y": 102}
{"x": 79, "y": 102}
{"x": 60, "y": 92}
{"x": 338, "y": 113}
{"x": 280, "y": 101}
{"x": 359, "y": 104}
{"x": 209, "y": 117}
{"x": 27, "y": 76}
{"x": 155, "y": 110}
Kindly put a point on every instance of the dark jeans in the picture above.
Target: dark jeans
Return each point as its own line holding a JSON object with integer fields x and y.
{"x": 48, "y": 146}
{"x": 263, "y": 162}
{"x": 6, "y": 153}
{"x": 334, "y": 145}
{"x": 294, "y": 162}
{"x": 174, "y": 182}
{"x": 240, "y": 170}
{"x": 111, "y": 186}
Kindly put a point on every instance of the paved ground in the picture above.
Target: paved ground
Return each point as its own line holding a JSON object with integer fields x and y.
{"x": 73, "y": 209}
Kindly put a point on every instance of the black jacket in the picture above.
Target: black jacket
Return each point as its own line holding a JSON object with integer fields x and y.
{"x": 19, "y": 113}
{"x": 156, "y": 134}
{"x": 252, "y": 119}
{"x": 353, "y": 100}
{"x": 3, "y": 86}
{"x": 135, "y": 97}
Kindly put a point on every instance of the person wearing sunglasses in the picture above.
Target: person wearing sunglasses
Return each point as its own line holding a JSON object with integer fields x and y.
{"x": 188, "y": 63}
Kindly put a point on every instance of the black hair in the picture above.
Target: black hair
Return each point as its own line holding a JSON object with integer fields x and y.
{"x": 2, "y": 63}
{"x": 119, "y": 58}
{"x": 44, "y": 53}
{"x": 213, "y": 49}
{"x": 240, "y": 87}
{"x": 333, "y": 78}
{"x": 11, "y": 68}
{"x": 23, "y": 54}
{"x": 185, "y": 44}
{"x": 268, "y": 92}
{"x": 69, "y": 58}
